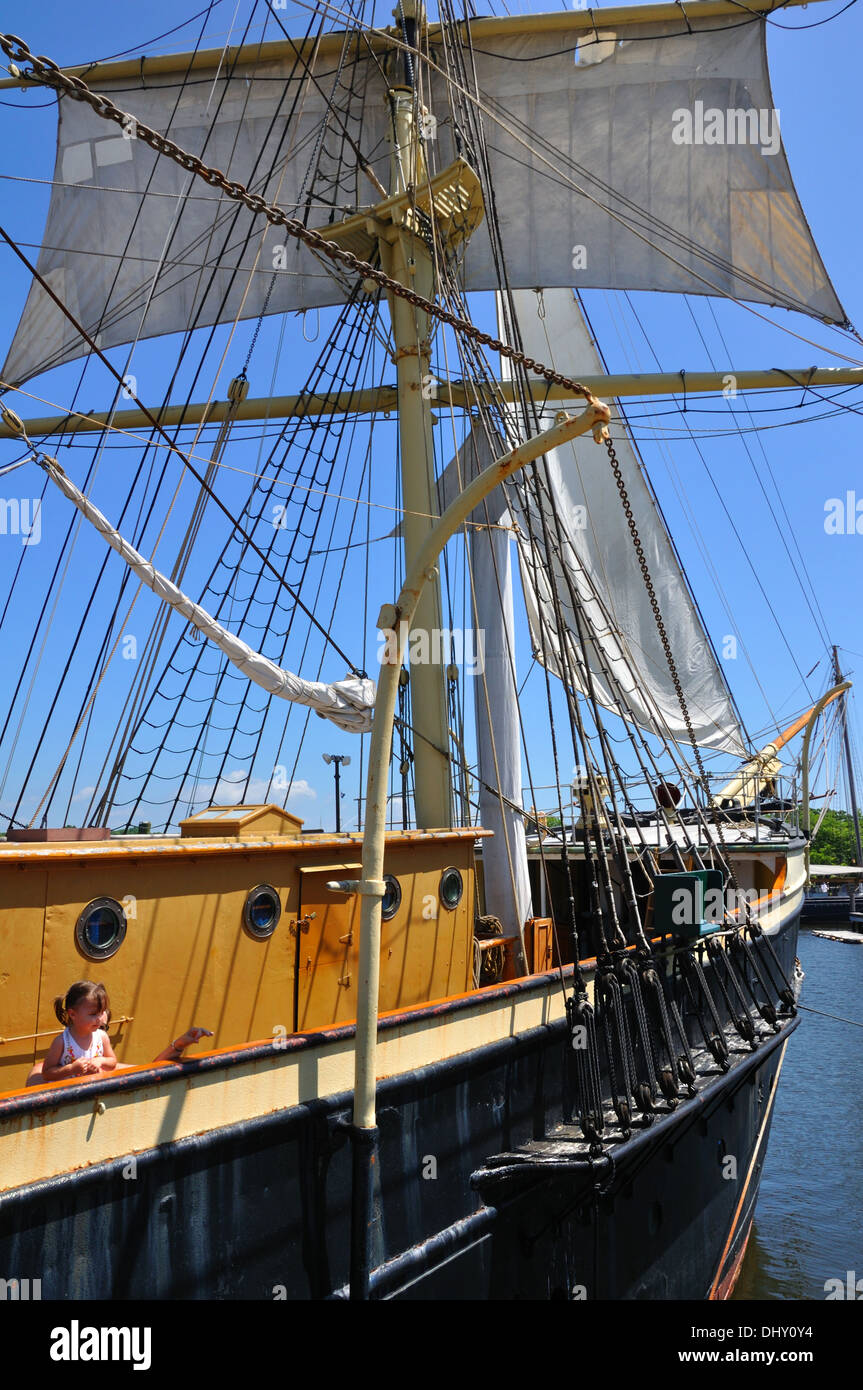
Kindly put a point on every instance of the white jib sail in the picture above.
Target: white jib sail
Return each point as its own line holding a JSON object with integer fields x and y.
{"x": 613, "y": 171}
{"x": 348, "y": 703}
{"x": 592, "y": 550}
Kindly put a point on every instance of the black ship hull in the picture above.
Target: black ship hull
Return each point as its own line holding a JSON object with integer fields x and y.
{"x": 261, "y": 1209}
{"x": 837, "y": 910}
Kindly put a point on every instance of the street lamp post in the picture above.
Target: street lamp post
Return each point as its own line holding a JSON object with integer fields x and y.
{"x": 338, "y": 759}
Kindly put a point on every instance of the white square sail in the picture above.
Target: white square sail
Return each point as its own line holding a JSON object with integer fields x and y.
{"x": 653, "y": 162}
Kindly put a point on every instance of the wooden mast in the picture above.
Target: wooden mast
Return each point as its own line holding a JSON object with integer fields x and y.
{"x": 405, "y": 256}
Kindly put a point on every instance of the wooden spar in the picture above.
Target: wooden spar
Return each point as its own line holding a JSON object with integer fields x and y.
{"x": 761, "y": 768}
{"x": 453, "y": 394}
{"x": 571, "y": 22}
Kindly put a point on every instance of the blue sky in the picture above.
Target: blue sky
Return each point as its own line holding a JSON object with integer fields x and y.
{"x": 815, "y": 74}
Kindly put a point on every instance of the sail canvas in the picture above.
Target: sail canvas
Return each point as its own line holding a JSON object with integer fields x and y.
{"x": 583, "y": 559}
{"x": 495, "y": 685}
{"x": 605, "y": 168}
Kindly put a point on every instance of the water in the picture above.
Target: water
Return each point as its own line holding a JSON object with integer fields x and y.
{"x": 809, "y": 1219}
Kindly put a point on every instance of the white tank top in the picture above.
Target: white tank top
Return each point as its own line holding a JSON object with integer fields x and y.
{"x": 72, "y": 1051}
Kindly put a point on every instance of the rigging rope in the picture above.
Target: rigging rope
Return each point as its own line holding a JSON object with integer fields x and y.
{"x": 195, "y": 474}
{"x": 336, "y": 347}
{"x": 68, "y": 545}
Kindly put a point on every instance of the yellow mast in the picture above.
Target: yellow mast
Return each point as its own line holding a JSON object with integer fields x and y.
{"x": 405, "y": 257}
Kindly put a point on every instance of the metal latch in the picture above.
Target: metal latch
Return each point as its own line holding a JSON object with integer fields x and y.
{"x": 295, "y": 927}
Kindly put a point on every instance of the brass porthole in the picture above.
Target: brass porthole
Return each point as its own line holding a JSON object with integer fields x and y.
{"x": 100, "y": 928}
{"x": 392, "y": 898}
{"x": 261, "y": 911}
{"x": 451, "y": 889}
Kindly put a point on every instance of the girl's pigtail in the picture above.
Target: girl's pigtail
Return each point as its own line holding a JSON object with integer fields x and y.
{"x": 60, "y": 1009}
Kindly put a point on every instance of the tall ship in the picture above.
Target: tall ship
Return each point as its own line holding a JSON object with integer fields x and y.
{"x": 306, "y": 414}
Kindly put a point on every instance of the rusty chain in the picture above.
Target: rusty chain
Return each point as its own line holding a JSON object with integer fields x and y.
{"x": 669, "y": 655}
{"x": 46, "y": 71}
{"x": 749, "y": 923}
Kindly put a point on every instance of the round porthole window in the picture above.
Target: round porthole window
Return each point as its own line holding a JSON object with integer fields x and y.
{"x": 392, "y": 898}
{"x": 262, "y": 911}
{"x": 101, "y": 928}
{"x": 451, "y": 889}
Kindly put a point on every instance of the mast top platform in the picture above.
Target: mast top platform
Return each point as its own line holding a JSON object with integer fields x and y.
{"x": 452, "y": 199}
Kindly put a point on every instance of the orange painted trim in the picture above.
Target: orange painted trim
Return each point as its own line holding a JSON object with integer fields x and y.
{"x": 726, "y": 1288}
{"x": 717, "y": 1282}
{"x": 172, "y": 1068}
{"x": 758, "y": 902}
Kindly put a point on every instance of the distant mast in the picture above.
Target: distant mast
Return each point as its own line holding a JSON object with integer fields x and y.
{"x": 852, "y": 790}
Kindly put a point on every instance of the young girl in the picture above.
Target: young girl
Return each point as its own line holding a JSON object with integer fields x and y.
{"x": 83, "y": 1048}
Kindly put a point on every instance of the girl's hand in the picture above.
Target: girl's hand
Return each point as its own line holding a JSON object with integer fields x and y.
{"x": 84, "y": 1066}
{"x": 191, "y": 1035}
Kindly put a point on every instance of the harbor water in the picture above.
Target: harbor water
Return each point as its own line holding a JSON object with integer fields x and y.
{"x": 809, "y": 1220}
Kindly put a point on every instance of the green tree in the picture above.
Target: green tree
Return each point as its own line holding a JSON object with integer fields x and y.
{"x": 835, "y": 842}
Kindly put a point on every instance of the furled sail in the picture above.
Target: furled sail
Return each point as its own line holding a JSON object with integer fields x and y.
{"x": 591, "y": 550}
{"x": 498, "y": 731}
{"x": 643, "y": 165}
{"x": 348, "y": 703}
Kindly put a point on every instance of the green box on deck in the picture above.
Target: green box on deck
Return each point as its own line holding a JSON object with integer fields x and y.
{"x": 678, "y": 903}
